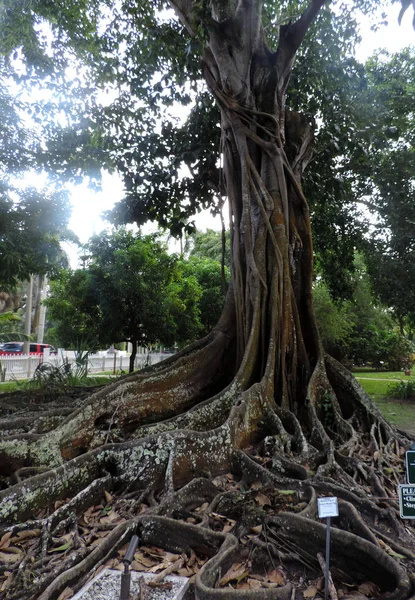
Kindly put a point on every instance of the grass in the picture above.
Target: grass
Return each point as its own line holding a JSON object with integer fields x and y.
{"x": 375, "y": 383}
{"x": 375, "y": 388}
{"x": 9, "y": 386}
{"x": 372, "y": 374}
{"x": 22, "y": 384}
{"x": 398, "y": 412}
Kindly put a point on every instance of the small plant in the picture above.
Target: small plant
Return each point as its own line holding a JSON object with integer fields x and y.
{"x": 327, "y": 409}
{"x": 47, "y": 375}
{"x": 405, "y": 390}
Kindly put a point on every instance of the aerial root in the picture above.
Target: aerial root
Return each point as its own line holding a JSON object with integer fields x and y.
{"x": 330, "y": 585}
{"x": 205, "y": 415}
{"x": 404, "y": 550}
{"x": 251, "y": 471}
{"x": 349, "y": 552}
{"x": 329, "y": 486}
{"x": 37, "y": 422}
{"x": 191, "y": 495}
{"x": 207, "y": 578}
{"x": 351, "y": 394}
{"x": 350, "y": 520}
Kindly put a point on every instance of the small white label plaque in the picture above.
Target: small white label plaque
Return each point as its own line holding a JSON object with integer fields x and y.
{"x": 327, "y": 507}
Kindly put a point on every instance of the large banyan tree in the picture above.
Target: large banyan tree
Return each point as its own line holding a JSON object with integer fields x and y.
{"x": 257, "y": 398}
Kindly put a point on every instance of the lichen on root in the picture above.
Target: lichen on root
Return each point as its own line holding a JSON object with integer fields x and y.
{"x": 354, "y": 455}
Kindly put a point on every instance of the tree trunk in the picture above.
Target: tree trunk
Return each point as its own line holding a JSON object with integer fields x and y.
{"x": 260, "y": 378}
{"x": 133, "y": 355}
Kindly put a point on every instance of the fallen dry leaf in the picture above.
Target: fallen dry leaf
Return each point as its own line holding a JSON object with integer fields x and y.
{"x": 256, "y": 485}
{"x": 5, "y": 540}
{"x": 237, "y": 572}
{"x": 262, "y": 500}
{"x": 144, "y": 560}
{"x": 111, "y": 517}
{"x": 257, "y": 529}
{"x": 111, "y": 563}
{"x": 136, "y": 566}
{"x": 191, "y": 520}
{"x": 25, "y": 535}
{"x": 249, "y": 584}
{"x": 368, "y": 588}
{"x": 66, "y": 594}
{"x": 108, "y": 497}
{"x": 185, "y": 572}
{"x": 153, "y": 550}
{"x": 10, "y": 558}
{"x": 276, "y": 576}
{"x": 310, "y": 592}
{"x": 7, "y": 582}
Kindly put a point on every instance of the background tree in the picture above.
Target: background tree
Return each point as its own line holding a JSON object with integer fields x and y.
{"x": 208, "y": 274}
{"x": 9, "y": 328}
{"x": 360, "y": 330}
{"x": 390, "y": 185}
{"x": 131, "y": 290}
{"x": 261, "y": 375}
{"x": 31, "y": 230}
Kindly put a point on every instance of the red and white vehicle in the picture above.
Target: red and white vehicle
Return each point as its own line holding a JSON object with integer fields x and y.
{"x": 16, "y": 348}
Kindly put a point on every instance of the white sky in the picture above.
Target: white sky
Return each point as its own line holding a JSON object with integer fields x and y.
{"x": 88, "y": 205}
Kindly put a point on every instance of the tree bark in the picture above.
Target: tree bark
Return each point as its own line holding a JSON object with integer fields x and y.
{"x": 259, "y": 379}
{"x": 132, "y": 356}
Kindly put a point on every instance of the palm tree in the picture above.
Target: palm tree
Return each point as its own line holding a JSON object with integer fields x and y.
{"x": 7, "y": 331}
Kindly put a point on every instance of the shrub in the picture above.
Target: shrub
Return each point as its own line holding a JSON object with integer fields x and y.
{"x": 405, "y": 390}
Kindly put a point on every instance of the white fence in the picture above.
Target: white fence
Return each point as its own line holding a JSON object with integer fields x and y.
{"x": 23, "y": 366}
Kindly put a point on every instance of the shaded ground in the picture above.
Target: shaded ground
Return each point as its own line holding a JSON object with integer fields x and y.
{"x": 251, "y": 529}
{"x": 399, "y": 412}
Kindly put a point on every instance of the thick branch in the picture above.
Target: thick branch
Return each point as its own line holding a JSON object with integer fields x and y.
{"x": 183, "y": 9}
{"x": 298, "y": 30}
{"x": 292, "y": 35}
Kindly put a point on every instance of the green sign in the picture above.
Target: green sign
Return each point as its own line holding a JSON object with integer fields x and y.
{"x": 407, "y": 501}
{"x": 410, "y": 466}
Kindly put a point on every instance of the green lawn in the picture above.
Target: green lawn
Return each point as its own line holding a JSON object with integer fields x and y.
{"x": 399, "y": 412}
{"x": 22, "y": 384}
{"x": 376, "y": 383}
{"x": 374, "y": 388}
{"x": 371, "y": 374}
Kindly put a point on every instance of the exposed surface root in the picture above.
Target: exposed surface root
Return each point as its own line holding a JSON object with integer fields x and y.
{"x": 235, "y": 515}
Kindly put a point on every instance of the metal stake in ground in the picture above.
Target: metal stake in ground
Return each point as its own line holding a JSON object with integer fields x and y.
{"x": 327, "y": 507}
{"x": 127, "y": 560}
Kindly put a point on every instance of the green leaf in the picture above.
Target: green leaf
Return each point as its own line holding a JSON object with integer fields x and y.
{"x": 396, "y": 554}
{"x": 61, "y": 548}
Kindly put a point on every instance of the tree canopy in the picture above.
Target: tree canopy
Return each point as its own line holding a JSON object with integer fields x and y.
{"x": 257, "y": 401}
{"x": 31, "y": 230}
{"x": 130, "y": 290}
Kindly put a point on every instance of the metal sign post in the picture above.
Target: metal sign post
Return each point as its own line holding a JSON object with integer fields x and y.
{"x": 406, "y": 501}
{"x": 410, "y": 465}
{"x": 327, "y": 507}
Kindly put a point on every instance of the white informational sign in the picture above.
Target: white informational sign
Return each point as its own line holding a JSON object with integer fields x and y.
{"x": 327, "y": 507}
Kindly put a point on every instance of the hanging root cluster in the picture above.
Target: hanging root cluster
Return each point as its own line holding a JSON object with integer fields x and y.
{"x": 217, "y": 456}
{"x": 226, "y": 488}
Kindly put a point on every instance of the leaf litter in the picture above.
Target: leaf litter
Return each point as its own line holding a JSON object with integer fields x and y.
{"x": 97, "y": 521}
